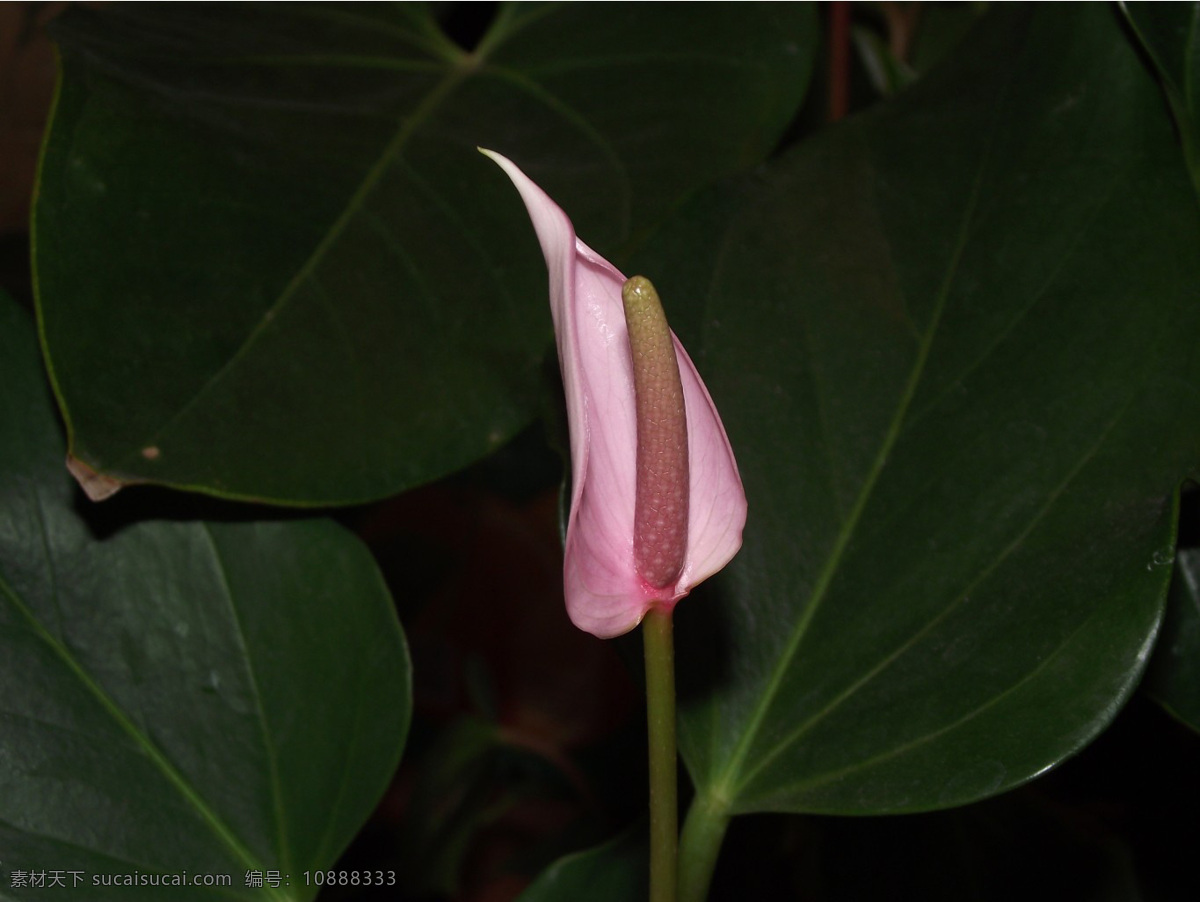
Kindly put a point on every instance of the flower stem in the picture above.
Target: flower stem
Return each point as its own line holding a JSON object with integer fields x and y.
{"x": 660, "y": 712}
{"x": 703, "y": 832}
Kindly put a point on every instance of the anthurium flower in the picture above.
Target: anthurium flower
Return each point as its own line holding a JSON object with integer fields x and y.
{"x": 657, "y": 505}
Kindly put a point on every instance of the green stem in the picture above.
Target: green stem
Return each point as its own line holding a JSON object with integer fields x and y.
{"x": 660, "y": 713}
{"x": 703, "y": 832}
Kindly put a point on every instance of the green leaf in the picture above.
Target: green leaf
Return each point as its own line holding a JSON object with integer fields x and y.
{"x": 212, "y": 698}
{"x": 1174, "y": 675}
{"x": 1170, "y": 35}
{"x": 953, "y": 342}
{"x": 270, "y": 263}
{"x": 618, "y": 869}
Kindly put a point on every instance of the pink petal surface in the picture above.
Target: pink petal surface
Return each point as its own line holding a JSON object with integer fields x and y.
{"x": 605, "y": 595}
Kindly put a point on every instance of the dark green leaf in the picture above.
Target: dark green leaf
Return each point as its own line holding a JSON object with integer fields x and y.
{"x": 953, "y": 342}
{"x": 200, "y": 697}
{"x": 1170, "y": 34}
{"x": 618, "y": 869}
{"x": 271, "y": 263}
{"x": 1174, "y": 676}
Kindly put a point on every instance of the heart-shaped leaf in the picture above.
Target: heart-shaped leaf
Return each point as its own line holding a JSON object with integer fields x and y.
{"x": 176, "y": 697}
{"x": 954, "y": 345}
{"x": 271, "y": 263}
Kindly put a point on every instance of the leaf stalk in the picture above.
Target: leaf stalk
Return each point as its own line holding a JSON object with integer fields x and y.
{"x": 657, "y": 633}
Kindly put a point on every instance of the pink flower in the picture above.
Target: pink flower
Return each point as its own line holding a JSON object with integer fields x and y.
{"x": 692, "y": 509}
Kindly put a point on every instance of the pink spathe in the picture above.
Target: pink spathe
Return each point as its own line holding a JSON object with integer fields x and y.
{"x": 605, "y": 593}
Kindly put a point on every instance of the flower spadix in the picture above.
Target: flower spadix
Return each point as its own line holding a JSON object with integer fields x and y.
{"x": 657, "y": 505}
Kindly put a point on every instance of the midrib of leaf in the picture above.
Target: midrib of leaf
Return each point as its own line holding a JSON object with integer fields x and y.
{"x": 222, "y": 832}
{"x": 433, "y": 99}
{"x": 1141, "y": 655}
{"x": 109, "y": 859}
{"x": 958, "y": 598}
{"x": 1001, "y": 335}
{"x": 268, "y": 745}
{"x": 731, "y": 782}
{"x": 916, "y": 742}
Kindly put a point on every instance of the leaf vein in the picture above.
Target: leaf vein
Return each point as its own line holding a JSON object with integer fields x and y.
{"x": 155, "y": 755}
{"x": 958, "y": 598}
{"x": 352, "y": 208}
{"x": 845, "y": 534}
{"x": 268, "y": 743}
